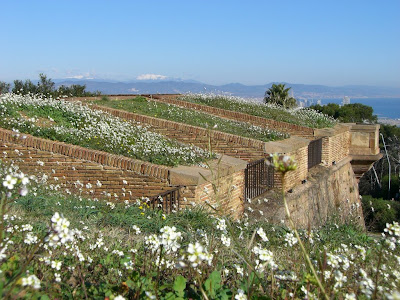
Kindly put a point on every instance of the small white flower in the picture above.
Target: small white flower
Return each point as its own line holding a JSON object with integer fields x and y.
{"x": 9, "y": 182}
{"x": 55, "y": 264}
{"x": 31, "y": 281}
{"x": 136, "y": 229}
{"x": 240, "y": 295}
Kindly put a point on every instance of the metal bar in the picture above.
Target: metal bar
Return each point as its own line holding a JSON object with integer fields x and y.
{"x": 314, "y": 153}
{"x": 166, "y": 200}
{"x": 258, "y": 178}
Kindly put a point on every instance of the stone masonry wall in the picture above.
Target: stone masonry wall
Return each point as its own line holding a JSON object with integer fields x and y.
{"x": 332, "y": 192}
{"x": 329, "y": 192}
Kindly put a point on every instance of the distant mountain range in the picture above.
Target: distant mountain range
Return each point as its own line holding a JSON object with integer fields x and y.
{"x": 300, "y": 91}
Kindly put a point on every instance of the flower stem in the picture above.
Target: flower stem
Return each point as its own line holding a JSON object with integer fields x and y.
{"x": 306, "y": 256}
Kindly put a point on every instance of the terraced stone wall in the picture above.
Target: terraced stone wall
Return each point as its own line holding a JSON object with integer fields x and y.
{"x": 81, "y": 176}
{"x": 116, "y": 178}
{"x": 238, "y": 116}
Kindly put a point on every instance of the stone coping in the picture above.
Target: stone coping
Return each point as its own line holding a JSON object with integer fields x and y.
{"x": 366, "y": 158}
{"x": 363, "y": 127}
{"x": 191, "y": 175}
{"x": 286, "y": 146}
{"x": 337, "y": 129}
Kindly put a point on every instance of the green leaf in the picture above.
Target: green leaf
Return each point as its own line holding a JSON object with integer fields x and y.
{"x": 225, "y": 294}
{"x": 170, "y": 296}
{"x": 180, "y": 285}
{"x": 130, "y": 284}
{"x": 213, "y": 283}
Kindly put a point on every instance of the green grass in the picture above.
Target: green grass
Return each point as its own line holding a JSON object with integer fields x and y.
{"x": 303, "y": 117}
{"x": 147, "y": 107}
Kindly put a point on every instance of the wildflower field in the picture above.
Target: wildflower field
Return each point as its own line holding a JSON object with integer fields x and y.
{"x": 77, "y": 124}
{"x": 144, "y": 106}
{"x": 300, "y": 116}
{"x": 56, "y": 246}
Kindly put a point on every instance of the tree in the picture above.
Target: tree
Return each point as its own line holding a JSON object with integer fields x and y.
{"x": 46, "y": 87}
{"x": 23, "y": 88}
{"x": 279, "y": 94}
{"x": 349, "y": 113}
{"x": 4, "y": 87}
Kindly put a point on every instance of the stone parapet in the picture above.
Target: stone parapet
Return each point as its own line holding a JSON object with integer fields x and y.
{"x": 335, "y": 143}
{"x": 364, "y": 147}
{"x": 364, "y": 139}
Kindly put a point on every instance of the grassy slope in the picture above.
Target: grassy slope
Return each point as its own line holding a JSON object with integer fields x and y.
{"x": 143, "y": 106}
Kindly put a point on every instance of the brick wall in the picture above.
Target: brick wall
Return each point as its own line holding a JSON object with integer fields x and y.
{"x": 229, "y": 198}
{"x": 335, "y": 147}
{"x": 81, "y": 176}
{"x": 294, "y": 178}
{"x": 101, "y": 157}
{"x": 76, "y": 169}
{"x": 335, "y": 193}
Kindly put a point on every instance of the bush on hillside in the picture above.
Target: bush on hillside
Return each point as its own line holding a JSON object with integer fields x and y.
{"x": 46, "y": 87}
{"x": 379, "y": 212}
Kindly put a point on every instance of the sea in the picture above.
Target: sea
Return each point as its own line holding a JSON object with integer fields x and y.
{"x": 384, "y": 108}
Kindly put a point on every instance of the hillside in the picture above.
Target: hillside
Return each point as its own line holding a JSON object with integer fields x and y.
{"x": 234, "y": 89}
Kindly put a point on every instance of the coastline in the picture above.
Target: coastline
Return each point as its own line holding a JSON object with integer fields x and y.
{"x": 387, "y": 121}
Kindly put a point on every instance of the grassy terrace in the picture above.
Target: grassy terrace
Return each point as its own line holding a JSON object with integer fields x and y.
{"x": 304, "y": 117}
{"x": 79, "y": 125}
{"x": 147, "y": 107}
{"x": 79, "y": 248}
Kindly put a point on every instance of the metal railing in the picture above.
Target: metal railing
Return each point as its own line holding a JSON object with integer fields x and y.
{"x": 167, "y": 201}
{"x": 314, "y": 153}
{"x": 258, "y": 178}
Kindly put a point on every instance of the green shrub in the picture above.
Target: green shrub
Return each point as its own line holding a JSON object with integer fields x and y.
{"x": 378, "y": 212}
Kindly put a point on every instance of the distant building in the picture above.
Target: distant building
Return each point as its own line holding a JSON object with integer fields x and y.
{"x": 346, "y": 100}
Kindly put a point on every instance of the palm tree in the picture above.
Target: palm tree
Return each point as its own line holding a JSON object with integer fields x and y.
{"x": 278, "y": 94}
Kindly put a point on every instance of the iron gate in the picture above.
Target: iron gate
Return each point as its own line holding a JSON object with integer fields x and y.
{"x": 314, "y": 153}
{"x": 167, "y": 201}
{"x": 258, "y": 178}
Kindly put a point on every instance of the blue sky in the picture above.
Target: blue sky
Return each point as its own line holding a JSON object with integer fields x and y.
{"x": 251, "y": 42}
